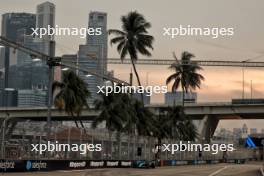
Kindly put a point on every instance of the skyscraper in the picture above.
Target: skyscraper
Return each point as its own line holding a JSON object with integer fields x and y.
{"x": 93, "y": 55}
{"x": 88, "y": 56}
{"x": 2, "y": 57}
{"x": 34, "y": 43}
{"x": 46, "y": 17}
{"x": 99, "y": 20}
{"x": 12, "y": 26}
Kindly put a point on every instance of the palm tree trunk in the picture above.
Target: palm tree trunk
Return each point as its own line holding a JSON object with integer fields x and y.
{"x": 158, "y": 154}
{"x": 110, "y": 144}
{"x": 119, "y": 144}
{"x": 75, "y": 121}
{"x": 138, "y": 80}
{"x": 183, "y": 96}
{"x": 82, "y": 126}
{"x": 128, "y": 146}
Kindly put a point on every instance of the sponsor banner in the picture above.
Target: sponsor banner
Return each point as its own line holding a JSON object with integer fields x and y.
{"x": 181, "y": 162}
{"x": 48, "y": 165}
{"x": 199, "y": 162}
{"x": 7, "y": 165}
{"x": 111, "y": 163}
{"x": 126, "y": 164}
{"x": 214, "y": 161}
{"x": 96, "y": 164}
{"x": 36, "y": 165}
{"x": 77, "y": 164}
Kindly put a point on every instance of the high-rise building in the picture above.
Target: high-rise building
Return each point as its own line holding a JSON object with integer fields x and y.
{"x": 2, "y": 80}
{"x": 34, "y": 43}
{"x": 13, "y": 24}
{"x": 33, "y": 97}
{"x": 46, "y": 17}
{"x": 34, "y": 75}
{"x": 93, "y": 55}
{"x": 88, "y": 59}
{"x": 2, "y": 57}
{"x": 172, "y": 98}
{"x": 99, "y": 20}
{"x": 8, "y": 97}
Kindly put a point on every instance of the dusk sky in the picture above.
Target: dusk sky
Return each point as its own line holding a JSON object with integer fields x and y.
{"x": 221, "y": 84}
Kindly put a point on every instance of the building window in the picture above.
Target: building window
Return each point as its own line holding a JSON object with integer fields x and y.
{"x": 100, "y": 17}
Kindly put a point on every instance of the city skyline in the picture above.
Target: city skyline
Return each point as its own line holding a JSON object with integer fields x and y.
{"x": 221, "y": 84}
{"x": 241, "y": 46}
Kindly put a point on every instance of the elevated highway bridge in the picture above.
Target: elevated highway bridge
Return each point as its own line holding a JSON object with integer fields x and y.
{"x": 209, "y": 114}
{"x": 196, "y": 111}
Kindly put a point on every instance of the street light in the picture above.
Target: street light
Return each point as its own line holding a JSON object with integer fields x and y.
{"x": 36, "y": 60}
{"x": 65, "y": 69}
{"x": 88, "y": 75}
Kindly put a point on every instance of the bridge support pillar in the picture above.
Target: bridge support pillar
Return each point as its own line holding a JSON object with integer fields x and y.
{"x": 207, "y": 128}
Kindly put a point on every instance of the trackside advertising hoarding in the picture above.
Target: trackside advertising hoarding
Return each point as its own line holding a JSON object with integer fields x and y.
{"x": 48, "y": 165}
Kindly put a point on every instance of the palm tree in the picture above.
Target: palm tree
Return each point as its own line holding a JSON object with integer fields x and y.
{"x": 181, "y": 125}
{"x": 133, "y": 39}
{"x": 72, "y": 95}
{"x": 173, "y": 124}
{"x": 185, "y": 74}
{"x": 143, "y": 121}
{"x": 115, "y": 111}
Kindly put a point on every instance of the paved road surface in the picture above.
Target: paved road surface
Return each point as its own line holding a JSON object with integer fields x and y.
{"x": 201, "y": 170}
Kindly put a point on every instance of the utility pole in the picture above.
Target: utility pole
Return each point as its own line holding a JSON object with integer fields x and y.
{"x": 251, "y": 90}
{"x": 243, "y": 83}
{"x": 51, "y": 65}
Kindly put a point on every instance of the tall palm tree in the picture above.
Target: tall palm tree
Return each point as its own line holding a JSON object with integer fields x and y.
{"x": 133, "y": 39}
{"x": 185, "y": 74}
{"x": 115, "y": 111}
{"x": 72, "y": 95}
